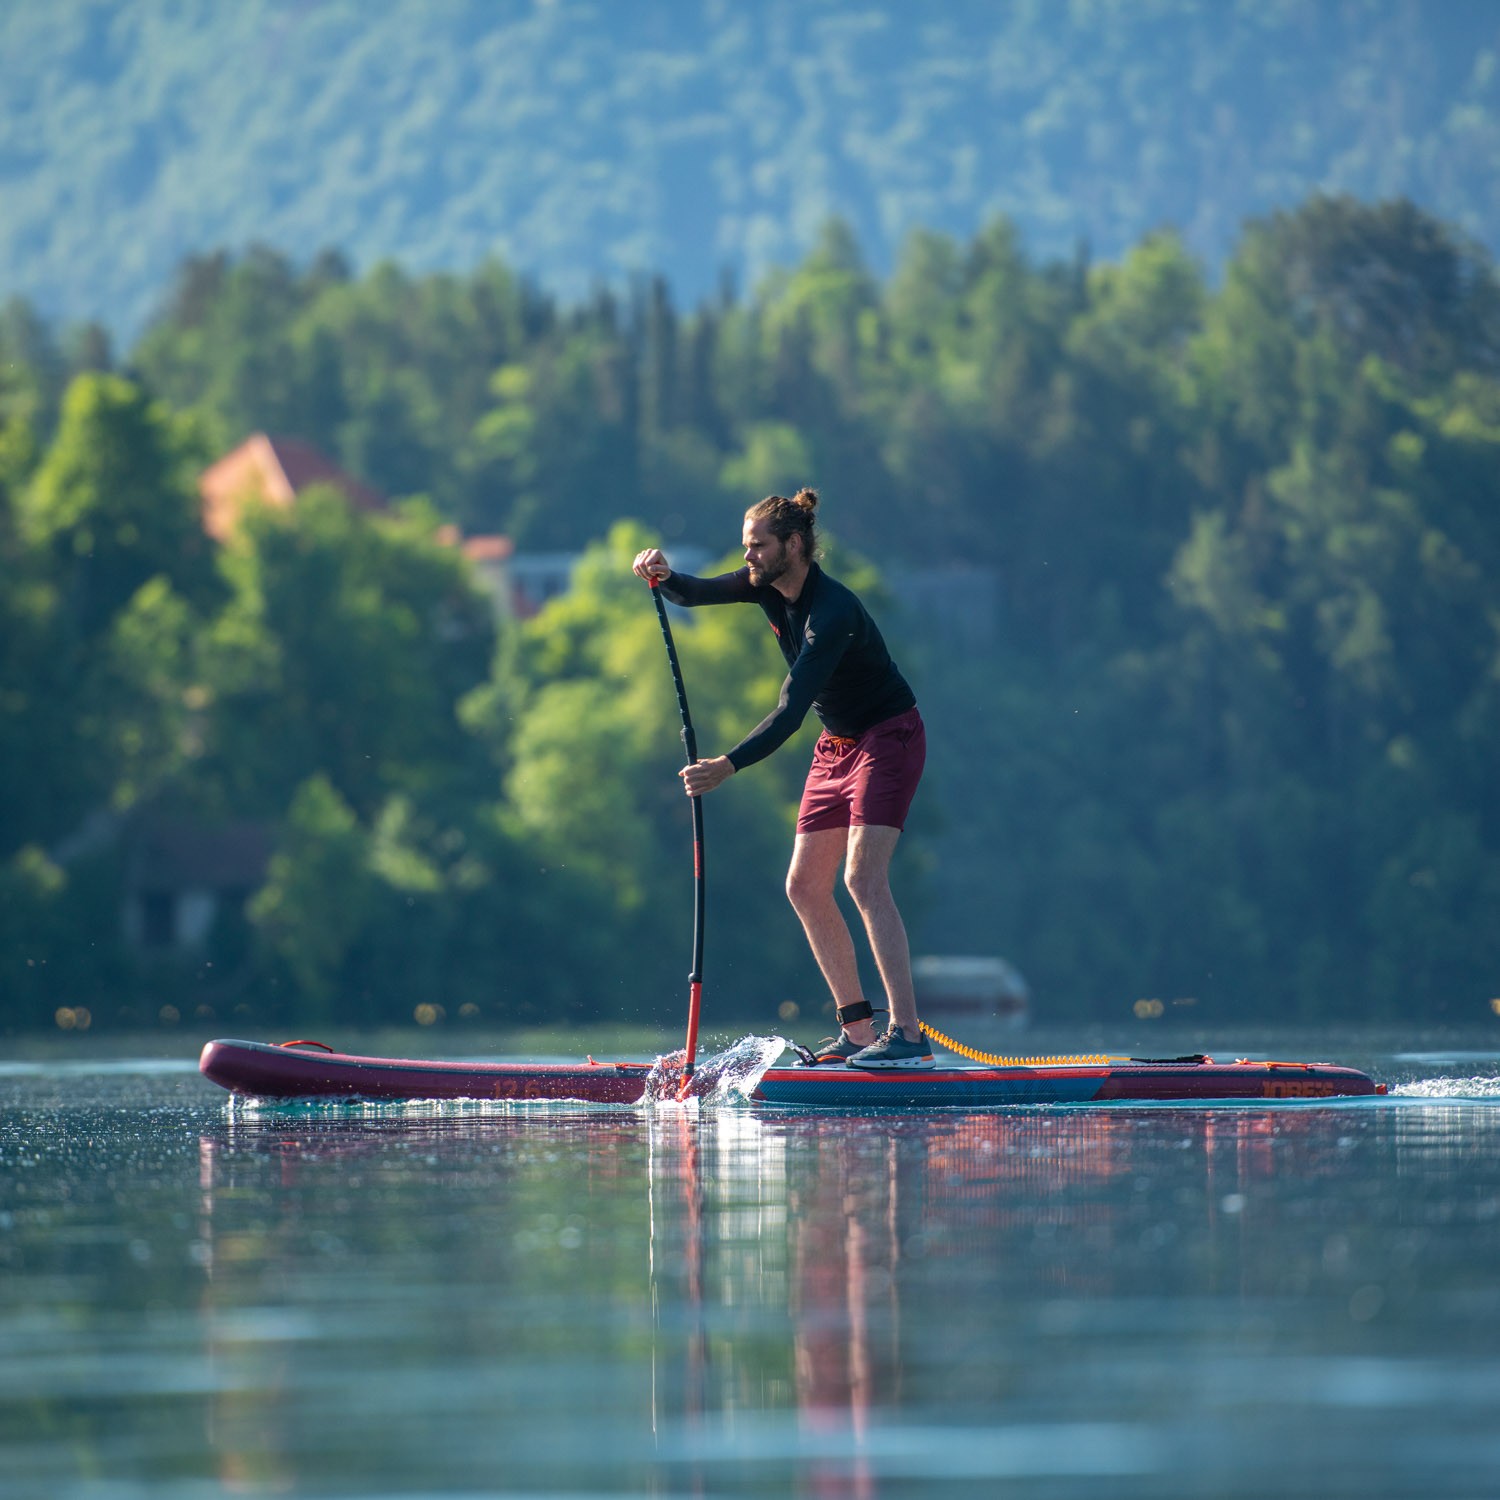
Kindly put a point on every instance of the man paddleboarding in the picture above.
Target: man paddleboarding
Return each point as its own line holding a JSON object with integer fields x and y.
{"x": 865, "y": 767}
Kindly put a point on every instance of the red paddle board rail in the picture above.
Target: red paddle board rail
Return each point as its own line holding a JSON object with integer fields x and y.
{"x": 260, "y": 1070}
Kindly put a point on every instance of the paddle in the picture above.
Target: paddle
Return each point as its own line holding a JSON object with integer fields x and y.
{"x": 690, "y": 745}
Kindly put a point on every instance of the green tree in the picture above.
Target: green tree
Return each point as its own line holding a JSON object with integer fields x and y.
{"x": 318, "y": 898}
{"x": 113, "y": 502}
{"x": 106, "y": 567}
{"x": 344, "y": 651}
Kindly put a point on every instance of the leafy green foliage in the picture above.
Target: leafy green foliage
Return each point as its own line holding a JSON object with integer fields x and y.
{"x": 1232, "y": 739}
{"x": 345, "y": 650}
{"x": 588, "y": 141}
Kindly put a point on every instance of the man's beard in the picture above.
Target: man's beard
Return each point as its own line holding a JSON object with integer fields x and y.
{"x": 771, "y": 571}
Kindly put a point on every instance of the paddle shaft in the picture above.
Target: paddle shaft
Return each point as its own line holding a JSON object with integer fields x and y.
{"x": 690, "y": 745}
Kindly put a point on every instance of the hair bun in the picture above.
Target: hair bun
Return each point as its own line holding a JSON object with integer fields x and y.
{"x": 787, "y": 518}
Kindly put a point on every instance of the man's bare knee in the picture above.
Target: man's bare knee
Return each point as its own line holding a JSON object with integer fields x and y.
{"x": 807, "y": 891}
{"x": 869, "y": 888}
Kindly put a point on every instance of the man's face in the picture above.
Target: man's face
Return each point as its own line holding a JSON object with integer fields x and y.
{"x": 766, "y": 555}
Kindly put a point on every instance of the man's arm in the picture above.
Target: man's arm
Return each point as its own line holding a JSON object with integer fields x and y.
{"x": 684, "y": 589}
{"x": 727, "y": 588}
{"x": 810, "y": 672}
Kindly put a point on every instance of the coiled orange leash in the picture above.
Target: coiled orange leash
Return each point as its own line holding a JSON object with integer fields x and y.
{"x": 1076, "y": 1059}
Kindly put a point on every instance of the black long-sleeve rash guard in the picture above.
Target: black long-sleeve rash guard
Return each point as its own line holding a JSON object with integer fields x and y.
{"x": 840, "y": 667}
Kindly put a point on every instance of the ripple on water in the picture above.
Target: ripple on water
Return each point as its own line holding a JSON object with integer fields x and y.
{"x": 1479, "y": 1087}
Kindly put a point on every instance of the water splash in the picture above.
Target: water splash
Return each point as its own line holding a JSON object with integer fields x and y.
{"x": 1449, "y": 1088}
{"x": 726, "y": 1077}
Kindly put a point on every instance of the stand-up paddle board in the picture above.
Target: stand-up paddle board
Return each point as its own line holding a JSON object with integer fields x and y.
{"x": 309, "y": 1071}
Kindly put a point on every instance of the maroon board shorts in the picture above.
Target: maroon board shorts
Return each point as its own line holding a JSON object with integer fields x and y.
{"x": 868, "y": 781}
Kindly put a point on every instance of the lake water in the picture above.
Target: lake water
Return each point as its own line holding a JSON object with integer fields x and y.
{"x": 199, "y": 1299}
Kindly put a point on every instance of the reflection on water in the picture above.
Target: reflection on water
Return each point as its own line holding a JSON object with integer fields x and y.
{"x": 1143, "y": 1301}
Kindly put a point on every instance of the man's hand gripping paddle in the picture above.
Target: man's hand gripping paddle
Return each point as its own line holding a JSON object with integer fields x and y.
{"x": 690, "y": 745}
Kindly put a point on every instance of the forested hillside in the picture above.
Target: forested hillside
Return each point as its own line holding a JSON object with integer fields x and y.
{"x": 1233, "y": 741}
{"x": 579, "y": 139}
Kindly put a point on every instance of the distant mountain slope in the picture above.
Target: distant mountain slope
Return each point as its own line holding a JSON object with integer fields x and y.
{"x": 587, "y": 138}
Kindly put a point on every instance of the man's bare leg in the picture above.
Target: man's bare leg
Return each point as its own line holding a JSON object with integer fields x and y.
{"x": 816, "y": 858}
{"x": 868, "y": 876}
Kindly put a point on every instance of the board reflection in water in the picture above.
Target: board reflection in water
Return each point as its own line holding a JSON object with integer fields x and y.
{"x": 1150, "y": 1301}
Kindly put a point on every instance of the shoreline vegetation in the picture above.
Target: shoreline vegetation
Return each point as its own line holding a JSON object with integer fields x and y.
{"x": 1221, "y": 729}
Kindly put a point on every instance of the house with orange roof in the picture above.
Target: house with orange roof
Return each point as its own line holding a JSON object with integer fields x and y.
{"x": 274, "y": 470}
